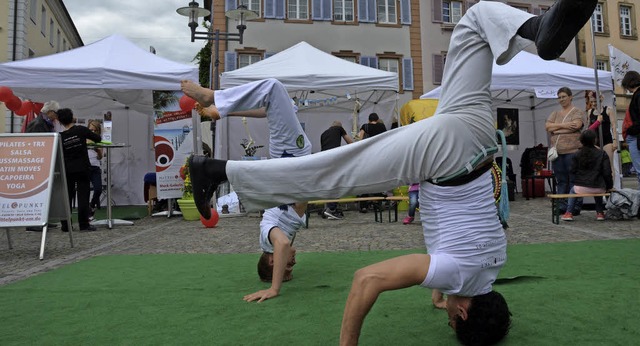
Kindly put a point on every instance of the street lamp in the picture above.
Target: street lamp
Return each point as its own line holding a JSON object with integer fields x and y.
{"x": 241, "y": 15}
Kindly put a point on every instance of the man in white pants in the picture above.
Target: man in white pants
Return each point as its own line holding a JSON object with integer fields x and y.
{"x": 269, "y": 98}
{"x": 466, "y": 244}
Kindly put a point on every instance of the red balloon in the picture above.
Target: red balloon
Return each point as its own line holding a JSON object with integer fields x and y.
{"x": 14, "y": 103}
{"x": 27, "y": 106}
{"x": 37, "y": 107}
{"x": 187, "y": 103}
{"x": 213, "y": 221}
{"x": 5, "y": 94}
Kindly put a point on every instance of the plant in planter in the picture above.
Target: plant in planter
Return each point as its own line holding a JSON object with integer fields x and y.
{"x": 187, "y": 204}
{"x": 249, "y": 148}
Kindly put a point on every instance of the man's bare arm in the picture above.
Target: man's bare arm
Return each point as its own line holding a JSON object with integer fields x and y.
{"x": 281, "y": 253}
{"x": 369, "y": 282}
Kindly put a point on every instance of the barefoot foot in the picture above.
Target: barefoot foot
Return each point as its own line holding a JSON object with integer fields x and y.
{"x": 203, "y": 95}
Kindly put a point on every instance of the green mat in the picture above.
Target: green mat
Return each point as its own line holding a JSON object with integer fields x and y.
{"x": 586, "y": 293}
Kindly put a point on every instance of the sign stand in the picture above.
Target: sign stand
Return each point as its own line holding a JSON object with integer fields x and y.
{"x": 31, "y": 175}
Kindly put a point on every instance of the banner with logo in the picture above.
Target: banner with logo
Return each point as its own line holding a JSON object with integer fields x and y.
{"x": 172, "y": 142}
{"x": 621, "y": 63}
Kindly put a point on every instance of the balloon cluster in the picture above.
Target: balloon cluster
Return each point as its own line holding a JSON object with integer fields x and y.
{"x": 15, "y": 104}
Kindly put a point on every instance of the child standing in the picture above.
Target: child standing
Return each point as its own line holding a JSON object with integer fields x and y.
{"x": 592, "y": 174}
{"x": 414, "y": 191}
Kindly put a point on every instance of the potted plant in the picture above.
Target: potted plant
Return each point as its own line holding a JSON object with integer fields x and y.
{"x": 186, "y": 203}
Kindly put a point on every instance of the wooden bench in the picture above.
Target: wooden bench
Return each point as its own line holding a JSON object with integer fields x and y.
{"x": 555, "y": 210}
{"x": 390, "y": 202}
{"x": 377, "y": 207}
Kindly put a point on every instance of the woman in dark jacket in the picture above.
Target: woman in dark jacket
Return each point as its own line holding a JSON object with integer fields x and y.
{"x": 592, "y": 174}
{"x": 76, "y": 164}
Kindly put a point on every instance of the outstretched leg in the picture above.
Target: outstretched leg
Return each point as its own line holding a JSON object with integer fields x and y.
{"x": 439, "y": 146}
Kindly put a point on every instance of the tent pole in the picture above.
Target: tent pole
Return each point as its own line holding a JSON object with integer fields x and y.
{"x": 595, "y": 72}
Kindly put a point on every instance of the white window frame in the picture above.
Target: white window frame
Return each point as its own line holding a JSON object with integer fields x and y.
{"x": 342, "y": 9}
{"x": 253, "y": 5}
{"x": 387, "y": 11}
{"x": 249, "y": 58}
{"x": 626, "y": 26}
{"x": 51, "y": 32}
{"x": 298, "y": 9}
{"x": 597, "y": 19}
{"x": 33, "y": 10}
{"x": 43, "y": 21}
{"x": 449, "y": 13}
{"x": 389, "y": 65}
{"x": 602, "y": 65}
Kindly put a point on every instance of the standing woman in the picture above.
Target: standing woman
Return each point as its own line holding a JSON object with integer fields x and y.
{"x": 631, "y": 124}
{"x": 95, "y": 173}
{"x": 76, "y": 164}
{"x": 565, "y": 126}
{"x": 602, "y": 118}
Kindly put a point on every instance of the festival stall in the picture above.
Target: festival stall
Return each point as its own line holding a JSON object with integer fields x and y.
{"x": 324, "y": 88}
{"x": 524, "y": 95}
{"x": 111, "y": 75}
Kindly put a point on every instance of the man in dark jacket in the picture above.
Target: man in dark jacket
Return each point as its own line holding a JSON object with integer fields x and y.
{"x": 46, "y": 121}
{"x": 329, "y": 139}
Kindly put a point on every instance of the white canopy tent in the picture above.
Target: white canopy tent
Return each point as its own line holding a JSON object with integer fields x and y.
{"x": 112, "y": 74}
{"x": 326, "y": 88}
{"x": 529, "y": 84}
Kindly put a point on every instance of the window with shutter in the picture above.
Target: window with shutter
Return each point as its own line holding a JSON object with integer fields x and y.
{"x": 343, "y": 11}
{"x": 230, "y": 61}
{"x": 407, "y": 74}
{"x": 298, "y": 9}
{"x": 405, "y": 12}
{"x": 437, "y": 68}
{"x": 436, "y": 11}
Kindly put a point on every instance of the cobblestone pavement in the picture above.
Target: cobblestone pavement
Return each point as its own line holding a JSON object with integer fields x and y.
{"x": 530, "y": 223}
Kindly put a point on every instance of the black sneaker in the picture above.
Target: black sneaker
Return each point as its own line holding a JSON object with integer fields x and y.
{"x": 332, "y": 215}
{"x": 90, "y": 228}
{"x": 560, "y": 24}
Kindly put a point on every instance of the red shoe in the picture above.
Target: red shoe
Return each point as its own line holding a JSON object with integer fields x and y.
{"x": 567, "y": 217}
{"x": 600, "y": 216}
{"x": 407, "y": 220}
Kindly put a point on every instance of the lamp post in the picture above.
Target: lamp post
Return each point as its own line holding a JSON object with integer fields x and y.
{"x": 241, "y": 15}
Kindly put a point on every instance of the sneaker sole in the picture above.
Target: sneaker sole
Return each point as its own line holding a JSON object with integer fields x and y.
{"x": 567, "y": 18}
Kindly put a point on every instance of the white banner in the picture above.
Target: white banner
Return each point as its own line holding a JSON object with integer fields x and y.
{"x": 546, "y": 93}
{"x": 172, "y": 142}
{"x": 621, "y": 63}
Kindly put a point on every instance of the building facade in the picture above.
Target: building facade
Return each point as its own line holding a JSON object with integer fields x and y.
{"x": 379, "y": 34}
{"x": 33, "y": 28}
{"x": 613, "y": 23}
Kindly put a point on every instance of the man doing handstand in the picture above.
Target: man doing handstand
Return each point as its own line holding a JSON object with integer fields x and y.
{"x": 464, "y": 238}
{"x": 269, "y": 98}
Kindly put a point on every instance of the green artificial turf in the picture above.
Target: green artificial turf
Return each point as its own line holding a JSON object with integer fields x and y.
{"x": 583, "y": 293}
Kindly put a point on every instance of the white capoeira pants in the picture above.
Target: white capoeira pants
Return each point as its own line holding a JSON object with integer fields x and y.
{"x": 285, "y": 132}
{"x": 441, "y": 145}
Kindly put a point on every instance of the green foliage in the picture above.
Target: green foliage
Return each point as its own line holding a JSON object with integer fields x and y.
{"x": 204, "y": 61}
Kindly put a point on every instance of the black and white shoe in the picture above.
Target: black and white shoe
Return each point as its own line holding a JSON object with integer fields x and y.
{"x": 332, "y": 215}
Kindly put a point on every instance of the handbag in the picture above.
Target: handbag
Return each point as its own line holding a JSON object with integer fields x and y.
{"x": 552, "y": 154}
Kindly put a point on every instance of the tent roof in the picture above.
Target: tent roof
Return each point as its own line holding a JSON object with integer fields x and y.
{"x": 528, "y": 71}
{"x": 304, "y": 67}
{"x": 110, "y": 63}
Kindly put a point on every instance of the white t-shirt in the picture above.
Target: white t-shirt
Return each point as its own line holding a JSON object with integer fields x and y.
{"x": 287, "y": 220}
{"x": 463, "y": 235}
{"x": 93, "y": 157}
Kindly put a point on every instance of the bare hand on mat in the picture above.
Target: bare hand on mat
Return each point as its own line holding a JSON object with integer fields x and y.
{"x": 261, "y": 295}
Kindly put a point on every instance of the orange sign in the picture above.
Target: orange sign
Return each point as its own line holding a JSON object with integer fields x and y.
{"x": 25, "y": 164}
{"x": 25, "y": 168}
